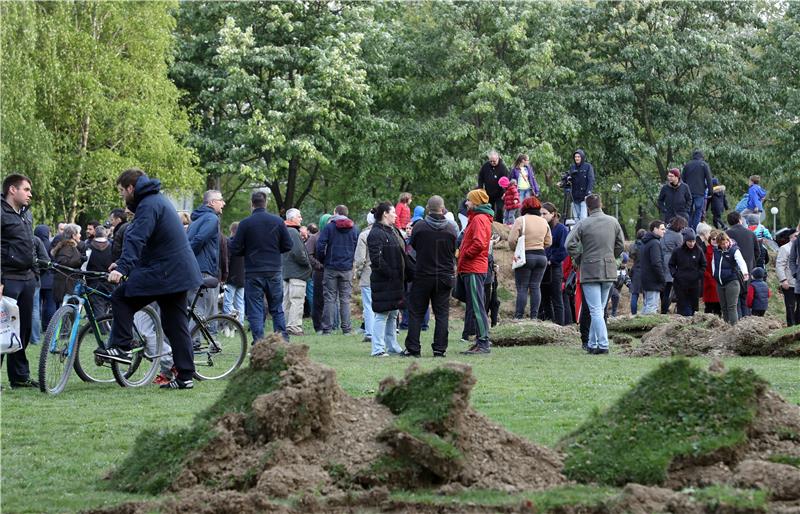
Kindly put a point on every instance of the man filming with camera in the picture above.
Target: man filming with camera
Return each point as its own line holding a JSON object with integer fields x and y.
{"x": 579, "y": 181}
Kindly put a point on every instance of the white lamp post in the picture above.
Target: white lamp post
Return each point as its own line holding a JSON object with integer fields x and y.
{"x": 774, "y": 212}
{"x": 616, "y": 188}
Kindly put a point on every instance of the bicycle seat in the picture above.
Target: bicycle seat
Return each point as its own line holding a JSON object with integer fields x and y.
{"x": 210, "y": 282}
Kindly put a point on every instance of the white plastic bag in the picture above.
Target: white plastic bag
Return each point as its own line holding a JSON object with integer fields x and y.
{"x": 519, "y": 251}
{"x": 9, "y": 326}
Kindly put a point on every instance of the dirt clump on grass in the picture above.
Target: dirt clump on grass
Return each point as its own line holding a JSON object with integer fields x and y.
{"x": 682, "y": 336}
{"x": 534, "y": 333}
{"x": 284, "y": 428}
{"x": 754, "y": 335}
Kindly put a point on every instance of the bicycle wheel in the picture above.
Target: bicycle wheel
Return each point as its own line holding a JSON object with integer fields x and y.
{"x": 148, "y": 343}
{"x": 55, "y": 359}
{"x": 220, "y": 345}
{"x": 86, "y": 365}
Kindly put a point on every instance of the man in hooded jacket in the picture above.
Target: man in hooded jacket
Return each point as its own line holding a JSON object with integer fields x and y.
{"x": 160, "y": 266}
{"x": 697, "y": 175}
{"x": 204, "y": 235}
{"x": 581, "y": 179}
{"x": 336, "y": 248}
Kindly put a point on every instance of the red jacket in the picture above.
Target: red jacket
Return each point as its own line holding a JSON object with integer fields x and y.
{"x": 710, "y": 294}
{"x": 473, "y": 256}
{"x": 511, "y": 197}
{"x": 403, "y": 215}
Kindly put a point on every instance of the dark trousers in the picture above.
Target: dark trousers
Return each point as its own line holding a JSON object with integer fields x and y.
{"x": 174, "y": 322}
{"x": 405, "y": 315}
{"x": 48, "y": 307}
{"x": 584, "y": 322}
{"x": 665, "y": 295}
{"x": 688, "y": 298}
{"x": 318, "y": 308}
{"x": 436, "y": 292}
{"x": 792, "y": 302}
{"x": 742, "y": 307}
{"x": 552, "y": 306}
{"x": 497, "y": 206}
{"x": 22, "y": 291}
{"x": 569, "y": 308}
{"x": 476, "y": 306}
{"x": 713, "y": 308}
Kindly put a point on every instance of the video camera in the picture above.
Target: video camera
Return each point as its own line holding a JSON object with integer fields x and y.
{"x": 566, "y": 181}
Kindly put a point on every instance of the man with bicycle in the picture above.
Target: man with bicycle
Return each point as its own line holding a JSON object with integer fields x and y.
{"x": 160, "y": 267}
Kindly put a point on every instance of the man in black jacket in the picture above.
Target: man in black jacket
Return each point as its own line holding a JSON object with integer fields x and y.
{"x": 16, "y": 263}
{"x": 651, "y": 267}
{"x": 119, "y": 223}
{"x": 697, "y": 175}
{"x": 675, "y": 198}
{"x": 261, "y": 238}
{"x": 488, "y": 177}
{"x": 750, "y": 249}
{"x": 434, "y": 240}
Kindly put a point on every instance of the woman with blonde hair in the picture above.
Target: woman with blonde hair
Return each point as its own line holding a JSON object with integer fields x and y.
{"x": 730, "y": 272}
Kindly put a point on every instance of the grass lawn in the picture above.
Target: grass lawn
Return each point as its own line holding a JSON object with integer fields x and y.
{"x": 55, "y": 450}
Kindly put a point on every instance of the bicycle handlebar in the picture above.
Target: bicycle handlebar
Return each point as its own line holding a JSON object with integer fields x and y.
{"x": 66, "y": 269}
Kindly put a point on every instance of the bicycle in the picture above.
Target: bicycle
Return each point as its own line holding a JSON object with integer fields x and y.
{"x": 65, "y": 337}
{"x": 219, "y": 341}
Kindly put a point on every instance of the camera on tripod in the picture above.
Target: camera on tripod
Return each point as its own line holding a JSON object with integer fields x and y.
{"x": 566, "y": 181}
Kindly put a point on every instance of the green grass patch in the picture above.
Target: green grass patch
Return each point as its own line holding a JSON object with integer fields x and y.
{"x": 725, "y": 497}
{"x": 158, "y": 454}
{"x": 533, "y": 333}
{"x": 676, "y": 411}
{"x": 791, "y": 460}
{"x": 638, "y": 324}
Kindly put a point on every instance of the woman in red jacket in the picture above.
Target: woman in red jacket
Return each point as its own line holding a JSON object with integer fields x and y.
{"x": 403, "y": 211}
{"x": 710, "y": 294}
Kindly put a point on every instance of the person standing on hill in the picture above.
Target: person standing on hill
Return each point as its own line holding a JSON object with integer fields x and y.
{"x": 403, "y": 210}
{"x": 594, "y": 245}
{"x": 697, "y": 175}
{"x": 750, "y": 249}
{"x": 786, "y": 279}
{"x": 552, "y": 306}
{"x": 528, "y": 277}
{"x": 581, "y": 179}
{"x": 488, "y": 180}
{"x": 525, "y": 175}
{"x": 718, "y": 203}
{"x": 671, "y": 241}
{"x": 687, "y": 264}
{"x": 675, "y": 198}
{"x": 651, "y": 267}
{"x": 727, "y": 266}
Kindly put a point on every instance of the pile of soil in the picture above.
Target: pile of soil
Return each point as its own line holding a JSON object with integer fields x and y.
{"x": 682, "y": 336}
{"x": 753, "y": 335}
{"x": 309, "y": 436}
{"x": 534, "y": 333}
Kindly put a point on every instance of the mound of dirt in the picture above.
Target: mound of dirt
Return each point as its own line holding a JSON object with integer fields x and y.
{"x": 683, "y": 336}
{"x": 304, "y": 434}
{"x": 534, "y": 333}
{"x": 752, "y": 335}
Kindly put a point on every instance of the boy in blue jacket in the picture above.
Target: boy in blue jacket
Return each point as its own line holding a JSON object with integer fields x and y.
{"x": 755, "y": 195}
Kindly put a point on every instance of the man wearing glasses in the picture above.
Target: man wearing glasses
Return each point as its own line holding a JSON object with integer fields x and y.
{"x": 203, "y": 237}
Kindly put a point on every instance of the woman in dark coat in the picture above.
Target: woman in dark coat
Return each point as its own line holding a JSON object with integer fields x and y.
{"x": 687, "y": 265}
{"x": 66, "y": 253}
{"x": 387, "y": 258}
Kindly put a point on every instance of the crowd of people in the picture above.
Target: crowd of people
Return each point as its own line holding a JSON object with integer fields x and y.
{"x": 406, "y": 263}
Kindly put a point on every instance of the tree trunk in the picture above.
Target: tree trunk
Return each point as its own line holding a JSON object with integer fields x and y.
{"x": 82, "y": 149}
{"x": 291, "y": 183}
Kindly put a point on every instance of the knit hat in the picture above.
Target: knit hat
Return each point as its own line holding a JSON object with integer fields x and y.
{"x": 503, "y": 182}
{"x": 752, "y": 219}
{"x": 688, "y": 234}
{"x": 675, "y": 171}
{"x": 419, "y": 213}
{"x": 759, "y": 273}
{"x": 478, "y": 197}
{"x": 715, "y": 181}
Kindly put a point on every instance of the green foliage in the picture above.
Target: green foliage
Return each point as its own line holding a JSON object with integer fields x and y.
{"x": 675, "y": 411}
{"x": 87, "y": 91}
{"x": 532, "y": 333}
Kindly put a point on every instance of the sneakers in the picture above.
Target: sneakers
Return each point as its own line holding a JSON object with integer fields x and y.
{"x": 177, "y": 383}
{"x": 439, "y": 355}
{"x": 598, "y": 351}
{"x": 295, "y": 332}
{"x": 406, "y": 353}
{"x": 165, "y": 377}
{"x": 477, "y": 349}
{"x": 24, "y": 383}
{"x": 114, "y": 354}
{"x": 367, "y": 339}
{"x": 382, "y": 354}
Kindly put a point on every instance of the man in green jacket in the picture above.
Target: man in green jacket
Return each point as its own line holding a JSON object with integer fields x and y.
{"x": 296, "y": 271}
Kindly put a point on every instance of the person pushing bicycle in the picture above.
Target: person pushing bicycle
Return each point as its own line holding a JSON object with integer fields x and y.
{"x": 160, "y": 267}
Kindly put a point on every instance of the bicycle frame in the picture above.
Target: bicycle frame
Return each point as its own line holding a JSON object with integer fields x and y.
{"x": 80, "y": 294}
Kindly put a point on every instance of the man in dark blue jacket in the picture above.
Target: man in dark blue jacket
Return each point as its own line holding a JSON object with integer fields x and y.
{"x": 697, "y": 175}
{"x": 581, "y": 179}
{"x": 203, "y": 235}
{"x": 160, "y": 267}
{"x": 261, "y": 238}
{"x": 337, "y": 247}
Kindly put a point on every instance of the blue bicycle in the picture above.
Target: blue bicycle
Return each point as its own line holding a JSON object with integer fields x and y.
{"x": 65, "y": 343}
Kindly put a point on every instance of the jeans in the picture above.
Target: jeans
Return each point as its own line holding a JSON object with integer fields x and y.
{"x": 476, "y": 307}
{"x": 174, "y": 323}
{"x": 255, "y": 288}
{"x": 596, "y": 294}
{"x": 384, "y": 333}
{"x": 294, "y": 292}
{"x": 435, "y": 291}
{"x": 651, "y": 301}
{"x": 528, "y": 280}
{"x": 579, "y": 210}
{"x": 48, "y": 306}
{"x": 728, "y": 300}
{"x": 22, "y": 291}
{"x": 698, "y": 208}
{"x": 233, "y": 301}
{"x": 144, "y": 324}
{"x": 525, "y": 193}
{"x": 552, "y": 306}
{"x": 337, "y": 282}
{"x": 36, "y": 320}
{"x": 510, "y": 215}
{"x": 369, "y": 316}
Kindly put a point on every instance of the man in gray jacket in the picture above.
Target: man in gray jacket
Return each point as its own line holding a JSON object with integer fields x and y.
{"x": 594, "y": 245}
{"x": 362, "y": 271}
{"x": 296, "y": 270}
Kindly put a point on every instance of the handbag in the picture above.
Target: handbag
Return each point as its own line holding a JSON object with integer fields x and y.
{"x": 519, "y": 251}
{"x": 460, "y": 290}
{"x": 9, "y": 326}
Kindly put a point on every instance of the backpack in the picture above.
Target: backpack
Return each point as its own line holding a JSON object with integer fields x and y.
{"x": 742, "y": 205}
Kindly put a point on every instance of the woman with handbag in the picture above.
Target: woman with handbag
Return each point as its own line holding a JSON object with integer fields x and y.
{"x": 531, "y": 234}
{"x": 387, "y": 256}
{"x": 729, "y": 270}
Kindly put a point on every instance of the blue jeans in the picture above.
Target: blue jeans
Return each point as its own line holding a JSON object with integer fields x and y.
{"x": 369, "y": 316}
{"x": 337, "y": 288}
{"x": 48, "y": 306}
{"x": 698, "y": 208}
{"x": 36, "y": 327}
{"x": 579, "y": 210}
{"x": 255, "y": 288}
{"x": 384, "y": 333}
{"x": 652, "y": 301}
{"x": 525, "y": 193}
{"x": 233, "y": 300}
{"x": 596, "y": 294}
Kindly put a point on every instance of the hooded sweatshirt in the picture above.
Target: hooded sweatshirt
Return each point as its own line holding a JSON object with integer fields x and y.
{"x": 473, "y": 256}
{"x": 697, "y": 175}
{"x": 203, "y": 237}
{"x": 582, "y": 177}
{"x": 755, "y": 195}
{"x": 336, "y": 247}
{"x": 434, "y": 240}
